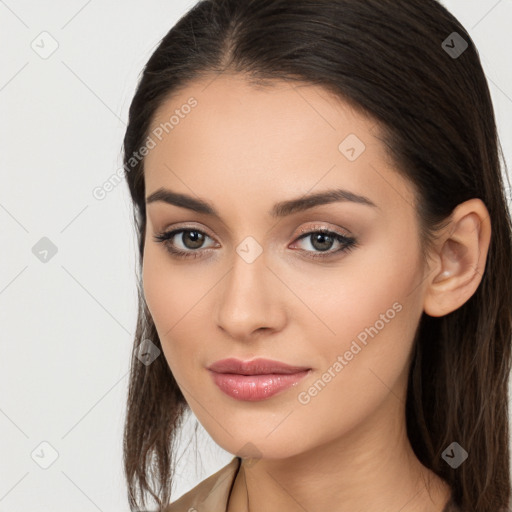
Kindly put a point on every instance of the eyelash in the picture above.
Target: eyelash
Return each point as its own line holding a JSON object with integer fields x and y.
{"x": 348, "y": 243}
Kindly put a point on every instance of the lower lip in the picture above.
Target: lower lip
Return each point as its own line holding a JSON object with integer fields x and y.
{"x": 255, "y": 387}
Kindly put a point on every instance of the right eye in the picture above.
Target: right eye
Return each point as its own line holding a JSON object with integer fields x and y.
{"x": 191, "y": 240}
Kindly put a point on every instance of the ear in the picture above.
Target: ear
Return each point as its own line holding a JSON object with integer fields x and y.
{"x": 458, "y": 262}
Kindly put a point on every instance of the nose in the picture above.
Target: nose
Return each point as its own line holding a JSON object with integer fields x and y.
{"x": 250, "y": 299}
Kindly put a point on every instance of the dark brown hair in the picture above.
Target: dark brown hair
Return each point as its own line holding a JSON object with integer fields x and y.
{"x": 389, "y": 60}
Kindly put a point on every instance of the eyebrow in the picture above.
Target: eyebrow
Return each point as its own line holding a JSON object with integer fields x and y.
{"x": 281, "y": 209}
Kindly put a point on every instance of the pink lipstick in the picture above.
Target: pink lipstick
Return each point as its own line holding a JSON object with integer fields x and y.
{"x": 255, "y": 380}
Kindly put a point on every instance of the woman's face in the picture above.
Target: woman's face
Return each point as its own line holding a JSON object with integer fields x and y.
{"x": 253, "y": 286}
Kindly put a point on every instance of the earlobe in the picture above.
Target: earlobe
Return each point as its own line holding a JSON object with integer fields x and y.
{"x": 460, "y": 258}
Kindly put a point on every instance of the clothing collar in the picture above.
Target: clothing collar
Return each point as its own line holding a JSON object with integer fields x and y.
{"x": 212, "y": 494}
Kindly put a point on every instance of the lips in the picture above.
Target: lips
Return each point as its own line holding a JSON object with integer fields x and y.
{"x": 255, "y": 380}
{"x": 255, "y": 367}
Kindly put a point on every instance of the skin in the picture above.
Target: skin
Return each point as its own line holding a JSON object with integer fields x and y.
{"x": 243, "y": 149}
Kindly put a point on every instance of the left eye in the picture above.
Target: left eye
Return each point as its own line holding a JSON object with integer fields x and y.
{"x": 321, "y": 241}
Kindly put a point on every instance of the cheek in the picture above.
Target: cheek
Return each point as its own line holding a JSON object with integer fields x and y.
{"x": 368, "y": 316}
{"x": 170, "y": 290}
{"x": 376, "y": 317}
{"x": 176, "y": 299}
{"x": 374, "y": 327}
{"x": 366, "y": 288}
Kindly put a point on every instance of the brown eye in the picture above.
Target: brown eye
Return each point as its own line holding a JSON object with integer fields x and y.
{"x": 322, "y": 240}
{"x": 191, "y": 241}
{"x": 195, "y": 238}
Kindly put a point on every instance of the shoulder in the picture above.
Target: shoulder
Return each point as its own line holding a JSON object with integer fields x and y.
{"x": 212, "y": 494}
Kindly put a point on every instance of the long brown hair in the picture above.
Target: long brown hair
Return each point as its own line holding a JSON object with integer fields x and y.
{"x": 399, "y": 62}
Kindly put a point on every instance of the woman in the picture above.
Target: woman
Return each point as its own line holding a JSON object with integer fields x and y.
{"x": 325, "y": 260}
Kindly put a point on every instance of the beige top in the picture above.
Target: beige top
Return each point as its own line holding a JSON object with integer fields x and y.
{"x": 212, "y": 494}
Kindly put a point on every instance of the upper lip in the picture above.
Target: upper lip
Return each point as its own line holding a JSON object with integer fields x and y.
{"x": 255, "y": 367}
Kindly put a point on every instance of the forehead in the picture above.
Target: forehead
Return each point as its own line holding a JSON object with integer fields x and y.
{"x": 284, "y": 136}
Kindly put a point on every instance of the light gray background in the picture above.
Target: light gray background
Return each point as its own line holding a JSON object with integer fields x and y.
{"x": 67, "y": 325}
